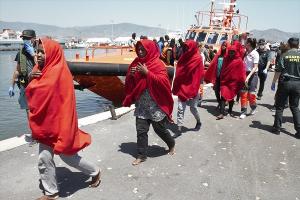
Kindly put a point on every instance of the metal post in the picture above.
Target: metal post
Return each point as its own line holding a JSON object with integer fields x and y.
{"x": 113, "y": 112}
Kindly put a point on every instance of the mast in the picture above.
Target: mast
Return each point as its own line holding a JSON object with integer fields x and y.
{"x": 211, "y": 11}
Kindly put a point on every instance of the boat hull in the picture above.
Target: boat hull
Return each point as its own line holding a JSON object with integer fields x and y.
{"x": 104, "y": 79}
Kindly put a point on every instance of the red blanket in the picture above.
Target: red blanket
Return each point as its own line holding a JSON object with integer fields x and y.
{"x": 211, "y": 73}
{"x": 189, "y": 72}
{"x": 51, "y": 100}
{"x": 240, "y": 49}
{"x": 232, "y": 76}
{"x": 157, "y": 80}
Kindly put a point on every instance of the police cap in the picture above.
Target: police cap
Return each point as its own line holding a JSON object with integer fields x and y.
{"x": 28, "y": 34}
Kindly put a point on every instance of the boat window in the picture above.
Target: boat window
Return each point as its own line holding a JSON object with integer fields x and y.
{"x": 212, "y": 38}
{"x": 223, "y": 38}
{"x": 192, "y": 35}
{"x": 201, "y": 36}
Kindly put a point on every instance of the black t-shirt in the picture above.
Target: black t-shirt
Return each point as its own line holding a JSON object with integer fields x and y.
{"x": 264, "y": 57}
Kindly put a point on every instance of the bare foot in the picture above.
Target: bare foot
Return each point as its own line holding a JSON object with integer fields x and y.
{"x": 138, "y": 161}
{"x": 220, "y": 117}
{"x": 172, "y": 151}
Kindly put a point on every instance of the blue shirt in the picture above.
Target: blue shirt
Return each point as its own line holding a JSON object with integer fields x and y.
{"x": 219, "y": 66}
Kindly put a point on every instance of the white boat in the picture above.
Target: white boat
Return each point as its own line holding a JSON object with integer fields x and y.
{"x": 91, "y": 42}
{"x": 80, "y": 45}
{"x": 122, "y": 41}
{"x": 10, "y": 40}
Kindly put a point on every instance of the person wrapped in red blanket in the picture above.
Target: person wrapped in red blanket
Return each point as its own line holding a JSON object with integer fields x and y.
{"x": 232, "y": 79}
{"x": 147, "y": 85}
{"x": 53, "y": 118}
{"x": 189, "y": 72}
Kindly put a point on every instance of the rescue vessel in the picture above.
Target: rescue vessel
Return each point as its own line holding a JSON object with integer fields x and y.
{"x": 105, "y": 74}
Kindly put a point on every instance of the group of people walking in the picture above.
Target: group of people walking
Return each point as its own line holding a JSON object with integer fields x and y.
{"x": 234, "y": 70}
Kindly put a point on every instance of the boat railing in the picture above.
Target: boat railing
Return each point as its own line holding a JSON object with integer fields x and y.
{"x": 235, "y": 23}
{"x": 106, "y": 48}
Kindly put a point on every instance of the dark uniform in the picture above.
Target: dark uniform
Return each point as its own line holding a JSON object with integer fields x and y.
{"x": 288, "y": 87}
{"x": 26, "y": 62}
{"x": 264, "y": 57}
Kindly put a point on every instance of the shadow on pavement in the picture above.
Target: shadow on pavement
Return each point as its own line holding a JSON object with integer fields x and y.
{"x": 268, "y": 128}
{"x": 153, "y": 150}
{"x": 174, "y": 128}
{"x": 211, "y": 109}
{"x": 287, "y": 119}
{"x": 70, "y": 182}
{"x": 268, "y": 106}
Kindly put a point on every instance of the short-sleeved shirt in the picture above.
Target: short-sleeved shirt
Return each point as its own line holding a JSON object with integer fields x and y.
{"x": 289, "y": 64}
{"x": 273, "y": 55}
{"x": 29, "y": 60}
{"x": 264, "y": 57}
{"x": 132, "y": 42}
{"x": 146, "y": 108}
{"x": 251, "y": 59}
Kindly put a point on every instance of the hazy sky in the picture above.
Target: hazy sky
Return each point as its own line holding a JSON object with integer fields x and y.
{"x": 169, "y": 14}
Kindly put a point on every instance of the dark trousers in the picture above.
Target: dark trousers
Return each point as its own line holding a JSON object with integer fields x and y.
{"x": 142, "y": 128}
{"x": 262, "y": 79}
{"x": 222, "y": 106}
{"x": 287, "y": 89}
{"x": 217, "y": 90}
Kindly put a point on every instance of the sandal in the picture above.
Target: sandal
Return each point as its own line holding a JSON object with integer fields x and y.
{"x": 96, "y": 180}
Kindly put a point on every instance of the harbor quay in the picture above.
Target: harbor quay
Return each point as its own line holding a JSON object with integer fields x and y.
{"x": 230, "y": 159}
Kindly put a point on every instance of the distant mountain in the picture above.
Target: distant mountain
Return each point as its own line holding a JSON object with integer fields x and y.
{"x": 107, "y": 30}
{"x": 273, "y": 35}
{"x": 123, "y": 29}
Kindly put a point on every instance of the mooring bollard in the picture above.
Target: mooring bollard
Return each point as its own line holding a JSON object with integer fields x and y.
{"x": 113, "y": 112}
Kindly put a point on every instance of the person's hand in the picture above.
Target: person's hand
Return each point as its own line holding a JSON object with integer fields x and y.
{"x": 273, "y": 86}
{"x": 265, "y": 71}
{"x": 246, "y": 81}
{"x": 142, "y": 68}
{"x": 35, "y": 74}
{"x": 132, "y": 71}
{"x": 11, "y": 92}
{"x": 175, "y": 63}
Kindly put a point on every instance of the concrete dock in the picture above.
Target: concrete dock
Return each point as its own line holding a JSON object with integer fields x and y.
{"x": 231, "y": 159}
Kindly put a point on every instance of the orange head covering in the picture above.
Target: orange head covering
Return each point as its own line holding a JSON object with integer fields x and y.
{"x": 51, "y": 100}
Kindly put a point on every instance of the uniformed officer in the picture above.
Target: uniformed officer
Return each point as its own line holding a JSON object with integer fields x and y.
{"x": 263, "y": 65}
{"x": 25, "y": 59}
{"x": 288, "y": 72}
